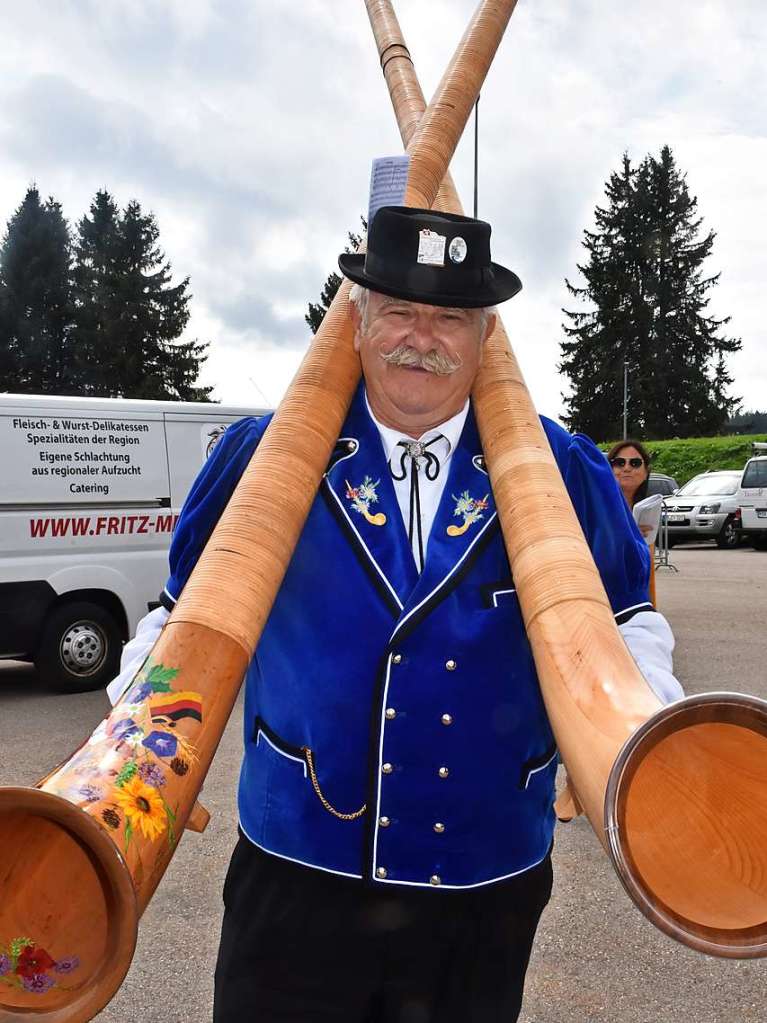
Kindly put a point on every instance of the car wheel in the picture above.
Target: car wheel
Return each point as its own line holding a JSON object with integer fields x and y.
{"x": 79, "y": 649}
{"x": 728, "y": 536}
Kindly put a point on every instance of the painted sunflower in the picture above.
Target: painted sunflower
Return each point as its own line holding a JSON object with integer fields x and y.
{"x": 143, "y": 807}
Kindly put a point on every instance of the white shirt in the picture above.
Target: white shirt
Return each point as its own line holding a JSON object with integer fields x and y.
{"x": 430, "y": 491}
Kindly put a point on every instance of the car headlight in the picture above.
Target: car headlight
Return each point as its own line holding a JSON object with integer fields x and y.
{"x": 709, "y": 509}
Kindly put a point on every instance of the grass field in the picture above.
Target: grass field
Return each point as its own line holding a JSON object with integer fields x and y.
{"x": 683, "y": 459}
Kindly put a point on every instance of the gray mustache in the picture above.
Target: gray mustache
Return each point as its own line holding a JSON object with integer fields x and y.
{"x": 433, "y": 361}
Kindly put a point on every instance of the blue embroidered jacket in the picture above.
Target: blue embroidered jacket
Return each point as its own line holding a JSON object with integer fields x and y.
{"x": 416, "y": 695}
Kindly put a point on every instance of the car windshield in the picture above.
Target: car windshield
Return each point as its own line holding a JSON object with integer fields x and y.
{"x": 709, "y": 486}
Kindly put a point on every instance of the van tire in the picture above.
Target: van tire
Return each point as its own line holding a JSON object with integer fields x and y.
{"x": 79, "y": 649}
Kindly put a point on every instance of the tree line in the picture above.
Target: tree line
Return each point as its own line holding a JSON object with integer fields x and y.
{"x": 93, "y": 311}
{"x": 646, "y": 293}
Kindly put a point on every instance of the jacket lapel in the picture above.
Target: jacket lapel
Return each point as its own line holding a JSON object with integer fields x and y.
{"x": 359, "y": 490}
{"x": 465, "y": 517}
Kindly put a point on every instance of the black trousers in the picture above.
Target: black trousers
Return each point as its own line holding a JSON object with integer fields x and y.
{"x": 300, "y": 945}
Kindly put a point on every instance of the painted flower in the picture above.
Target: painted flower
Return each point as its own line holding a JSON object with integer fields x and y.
{"x": 33, "y": 961}
{"x": 143, "y": 807}
{"x": 126, "y": 726}
{"x": 151, "y": 774}
{"x": 139, "y": 692}
{"x": 90, "y": 793}
{"x": 161, "y": 744}
{"x": 5, "y": 965}
{"x": 37, "y": 983}
{"x": 67, "y": 965}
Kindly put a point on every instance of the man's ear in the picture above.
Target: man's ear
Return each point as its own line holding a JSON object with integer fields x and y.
{"x": 490, "y": 326}
{"x": 356, "y": 323}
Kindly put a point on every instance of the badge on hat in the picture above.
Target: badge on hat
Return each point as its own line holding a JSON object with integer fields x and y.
{"x": 457, "y": 250}
{"x": 431, "y": 248}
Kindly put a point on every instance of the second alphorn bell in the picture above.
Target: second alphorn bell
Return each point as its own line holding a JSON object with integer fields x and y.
{"x": 81, "y": 854}
{"x": 678, "y": 795}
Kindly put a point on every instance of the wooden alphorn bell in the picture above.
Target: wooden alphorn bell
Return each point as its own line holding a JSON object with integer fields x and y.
{"x": 81, "y": 855}
{"x": 677, "y": 794}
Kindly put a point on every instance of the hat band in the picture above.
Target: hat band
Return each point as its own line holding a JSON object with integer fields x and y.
{"x": 425, "y": 278}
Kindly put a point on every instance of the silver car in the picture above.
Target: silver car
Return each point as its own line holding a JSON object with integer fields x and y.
{"x": 704, "y": 509}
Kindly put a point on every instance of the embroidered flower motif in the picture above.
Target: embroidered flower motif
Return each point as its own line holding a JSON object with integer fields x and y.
{"x": 362, "y": 497}
{"x": 470, "y": 509}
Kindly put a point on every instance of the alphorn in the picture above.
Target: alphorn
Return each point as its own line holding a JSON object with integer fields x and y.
{"x": 677, "y": 794}
{"x": 81, "y": 855}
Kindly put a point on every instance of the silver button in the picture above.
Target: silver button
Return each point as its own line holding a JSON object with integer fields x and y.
{"x": 381, "y": 872}
{"x": 439, "y": 827}
{"x": 387, "y": 768}
{"x": 390, "y": 713}
{"x": 450, "y": 665}
{"x": 384, "y": 822}
{"x": 447, "y": 719}
{"x": 443, "y": 772}
{"x": 435, "y": 879}
{"x": 396, "y": 659}
{"x": 351, "y": 446}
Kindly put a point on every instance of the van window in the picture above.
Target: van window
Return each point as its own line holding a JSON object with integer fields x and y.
{"x": 755, "y": 474}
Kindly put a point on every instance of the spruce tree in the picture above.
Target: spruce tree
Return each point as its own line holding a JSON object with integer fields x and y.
{"x": 648, "y": 293}
{"x": 317, "y": 310}
{"x": 129, "y": 313}
{"x": 35, "y": 299}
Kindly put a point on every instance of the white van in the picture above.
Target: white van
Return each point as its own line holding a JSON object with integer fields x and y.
{"x": 90, "y": 489}
{"x": 752, "y": 499}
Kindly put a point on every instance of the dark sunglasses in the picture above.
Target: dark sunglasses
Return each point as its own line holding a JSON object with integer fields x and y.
{"x": 635, "y": 463}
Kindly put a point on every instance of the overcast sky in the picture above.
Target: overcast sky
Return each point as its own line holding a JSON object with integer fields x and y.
{"x": 248, "y": 128}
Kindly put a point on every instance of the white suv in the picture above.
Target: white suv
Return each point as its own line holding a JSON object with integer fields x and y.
{"x": 705, "y": 508}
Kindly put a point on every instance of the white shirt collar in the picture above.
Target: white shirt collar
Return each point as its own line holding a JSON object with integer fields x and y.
{"x": 450, "y": 430}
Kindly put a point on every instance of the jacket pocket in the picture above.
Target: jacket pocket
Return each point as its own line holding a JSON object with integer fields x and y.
{"x": 263, "y": 733}
{"x": 532, "y": 766}
{"x": 499, "y": 594}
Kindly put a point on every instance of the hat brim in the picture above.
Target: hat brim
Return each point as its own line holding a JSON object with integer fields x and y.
{"x": 499, "y": 285}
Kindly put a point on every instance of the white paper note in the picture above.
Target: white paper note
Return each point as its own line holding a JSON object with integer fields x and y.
{"x": 388, "y": 182}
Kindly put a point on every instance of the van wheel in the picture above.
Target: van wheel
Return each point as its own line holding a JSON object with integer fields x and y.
{"x": 79, "y": 649}
{"x": 728, "y": 536}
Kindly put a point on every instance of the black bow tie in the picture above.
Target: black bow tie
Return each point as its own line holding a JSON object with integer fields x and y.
{"x": 416, "y": 451}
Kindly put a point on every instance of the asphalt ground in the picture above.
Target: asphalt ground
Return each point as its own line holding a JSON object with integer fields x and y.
{"x": 596, "y": 959}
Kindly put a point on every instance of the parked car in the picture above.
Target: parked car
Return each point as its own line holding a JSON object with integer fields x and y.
{"x": 705, "y": 509}
{"x": 752, "y": 501}
{"x": 659, "y": 483}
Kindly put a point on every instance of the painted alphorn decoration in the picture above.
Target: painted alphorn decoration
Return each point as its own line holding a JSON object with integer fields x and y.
{"x": 678, "y": 795}
{"x": 81, "y": 855}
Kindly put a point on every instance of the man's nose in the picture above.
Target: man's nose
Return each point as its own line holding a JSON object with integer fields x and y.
{"x": 422, "y": 335}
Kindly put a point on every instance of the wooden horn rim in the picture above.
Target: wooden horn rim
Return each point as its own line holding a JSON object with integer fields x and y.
{"x": 90, "y": 867}
{"x": 688, "y": 862}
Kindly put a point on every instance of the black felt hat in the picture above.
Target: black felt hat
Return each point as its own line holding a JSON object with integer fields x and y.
{"x": 435, "y": 258}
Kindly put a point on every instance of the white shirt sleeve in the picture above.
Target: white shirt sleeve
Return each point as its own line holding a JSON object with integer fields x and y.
{"x": 135, "y": 651}
{"x": 651, "y": 643}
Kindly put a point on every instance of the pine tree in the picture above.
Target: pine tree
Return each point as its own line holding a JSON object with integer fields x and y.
{"x": 35, "y": 300}
{"x": 645, "y": 282}
{"x": 317, "y": 310}
{"x": 129, "y": 313}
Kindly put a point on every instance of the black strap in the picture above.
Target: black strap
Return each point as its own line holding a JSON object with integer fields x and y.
{"x": 416, "y": 450}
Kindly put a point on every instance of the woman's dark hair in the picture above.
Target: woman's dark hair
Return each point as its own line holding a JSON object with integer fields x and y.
{"x": 629, "y": 443}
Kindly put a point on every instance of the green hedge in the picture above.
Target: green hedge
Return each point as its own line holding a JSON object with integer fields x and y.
{"x": 684, "y": 459}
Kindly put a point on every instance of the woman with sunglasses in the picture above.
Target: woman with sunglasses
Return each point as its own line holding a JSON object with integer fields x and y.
{"x": 630, "y": 461}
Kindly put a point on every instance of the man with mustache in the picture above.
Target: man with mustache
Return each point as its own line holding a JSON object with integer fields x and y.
{"x": 395, "y": 801}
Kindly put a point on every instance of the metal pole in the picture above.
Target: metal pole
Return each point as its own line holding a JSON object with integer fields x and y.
{"x": 625, "y": 398}
{"x": 476, "y": 157}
